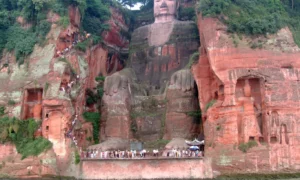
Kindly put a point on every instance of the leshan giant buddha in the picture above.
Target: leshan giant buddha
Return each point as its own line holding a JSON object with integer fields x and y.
{"x": 151, "y": 97}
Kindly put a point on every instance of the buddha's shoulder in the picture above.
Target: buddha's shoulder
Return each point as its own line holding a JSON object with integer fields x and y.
{"x": 140, "y": 35}
{"x": 142, "y": 29}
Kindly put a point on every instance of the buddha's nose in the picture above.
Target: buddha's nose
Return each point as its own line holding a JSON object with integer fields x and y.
{"x": 164, "y": 5}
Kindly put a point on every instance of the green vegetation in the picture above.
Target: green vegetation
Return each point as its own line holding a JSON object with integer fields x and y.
{"x": 42, "y": 30}
{"x": 133, "y": 126}
{"x": 11, "y": 102}
{"x": 210, "y": 104}
{"x": 81, "y": 46}
{"x": 64, "y": 21}
{"x": 244, "y": 147}
{"x": 234, "y": 40}
{"x": 21, "y": 133}
{"x": 249, "y": 17}
{"x": 21, "y": 39}
{"x": 33, "y": 148}
{"x": 99, "y": 89}
{"x": 2, "y": 111}
{"x": 100, "y": 78}
{"x": 94, "y": 118}
{"x": 46, "y": 87}
{"x": 94, "y": 17}
{"x": 255, "y": 17}
{"x": 94, "y": 14}
{"x": 93, "y": 98}
{"x": 193, "y": 58}
{"x": 131, "y": 3}
{"x": 77, "y": 157}
{"x": 196, "y": 114}
{"x": 187, "y": 13}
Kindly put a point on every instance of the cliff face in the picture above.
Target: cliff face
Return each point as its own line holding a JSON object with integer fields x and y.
{"x": 246, "y": 95}
{"x": 51, "y": 88}
{"x": 249, "y": 95}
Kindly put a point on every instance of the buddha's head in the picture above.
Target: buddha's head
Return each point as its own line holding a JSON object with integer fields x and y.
{"x": 165, "y": 10}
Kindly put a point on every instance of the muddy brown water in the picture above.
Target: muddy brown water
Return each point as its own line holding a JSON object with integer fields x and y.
{"x": 224, "y": 177}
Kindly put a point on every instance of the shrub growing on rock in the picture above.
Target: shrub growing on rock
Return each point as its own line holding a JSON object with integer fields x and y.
{"x": 255, "y": 17}
{"x": 21, "y": 133}
{"x": 94, "y": 118}
{"x": 244, "y": 147}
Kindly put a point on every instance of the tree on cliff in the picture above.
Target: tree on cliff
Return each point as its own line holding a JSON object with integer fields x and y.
{"x": 131, "y": 3}
{"x": 255, "y": 17}
{"x": 31, "y": 12}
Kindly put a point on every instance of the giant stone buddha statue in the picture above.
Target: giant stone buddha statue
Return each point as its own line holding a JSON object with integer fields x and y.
{"x": 151, "y": 97}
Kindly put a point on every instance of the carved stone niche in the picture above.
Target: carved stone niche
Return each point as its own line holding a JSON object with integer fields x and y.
{"x": 284, "y": 139}
{"x": 32, "y": 104}
{"x": 274, "y": 127}
{"x": 249, "y": 97}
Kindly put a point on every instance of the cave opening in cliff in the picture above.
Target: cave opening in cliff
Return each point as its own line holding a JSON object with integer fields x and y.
{"x": 197, "y": 120}
{"x": 32, "y": 103}
{"x": 199, "y": 133}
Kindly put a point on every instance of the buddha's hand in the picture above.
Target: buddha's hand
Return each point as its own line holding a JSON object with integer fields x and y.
{"x": 182, "y": 79}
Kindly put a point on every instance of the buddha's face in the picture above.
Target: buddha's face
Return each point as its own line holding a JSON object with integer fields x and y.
{"x": 165, "y": 8}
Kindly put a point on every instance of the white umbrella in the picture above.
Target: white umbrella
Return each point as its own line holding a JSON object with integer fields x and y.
{"x": 194, "y": 148}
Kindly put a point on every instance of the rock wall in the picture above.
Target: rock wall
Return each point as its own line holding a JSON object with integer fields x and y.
{"x": 146, "y": 169}
{"x": 249, "y": 95}
{"x": 51, "y": 87}
{"x": 13, "y": 166}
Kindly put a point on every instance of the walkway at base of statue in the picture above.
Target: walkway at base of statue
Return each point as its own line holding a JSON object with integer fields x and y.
{"x": 133, "y": 154}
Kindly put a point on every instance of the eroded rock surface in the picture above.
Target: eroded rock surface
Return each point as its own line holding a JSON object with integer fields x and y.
{"x": 249, "y": 95}
{"x": 51, "y": 88}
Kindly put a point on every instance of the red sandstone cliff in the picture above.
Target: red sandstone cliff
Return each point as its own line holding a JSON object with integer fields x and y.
{"x": 52, "y": 89}
{"x": 256, "y": 97}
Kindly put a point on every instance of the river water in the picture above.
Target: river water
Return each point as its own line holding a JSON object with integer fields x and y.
{"x": 221, "y": 178}
{"x": 237, "y": 177}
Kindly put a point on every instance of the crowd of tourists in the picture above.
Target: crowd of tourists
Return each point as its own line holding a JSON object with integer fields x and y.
{"x": 133, "y": 154}
{"x": 184, "y": 153}
{"x": 74, "y": 43}
{"x": 69, "y": 134}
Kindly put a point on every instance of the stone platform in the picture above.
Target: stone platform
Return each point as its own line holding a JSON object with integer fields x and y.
{"x": 157, "y": 168}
